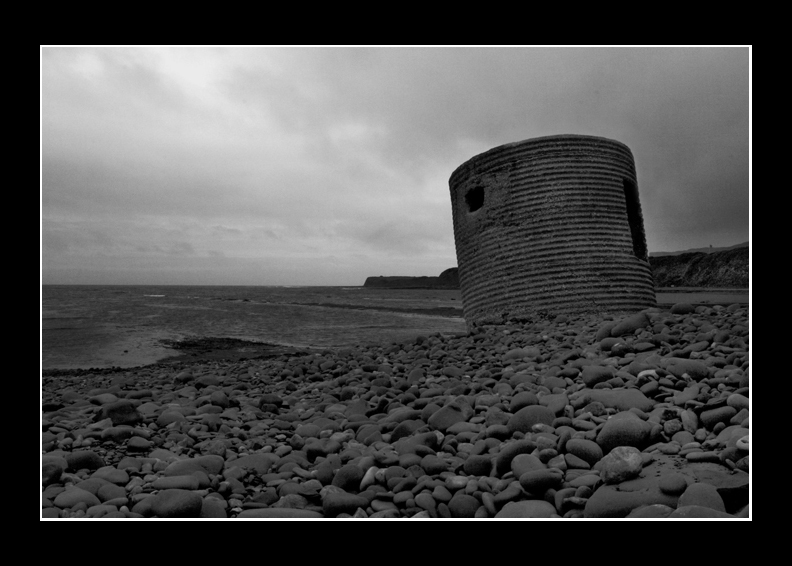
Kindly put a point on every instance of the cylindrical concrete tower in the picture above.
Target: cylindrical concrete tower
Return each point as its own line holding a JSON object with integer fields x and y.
{"x": 548, "y": 226}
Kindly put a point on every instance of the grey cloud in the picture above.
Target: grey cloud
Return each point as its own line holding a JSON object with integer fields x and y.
{"x": 293, "y": 153}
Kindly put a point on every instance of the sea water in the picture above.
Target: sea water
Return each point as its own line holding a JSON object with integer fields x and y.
{"x": 86, "y": 326}
{"x": 103, "y": 326}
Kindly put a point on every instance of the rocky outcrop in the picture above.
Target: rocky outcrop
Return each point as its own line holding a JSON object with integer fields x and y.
{"x": 448, "y": 279}
{"x": 726, "y": 269}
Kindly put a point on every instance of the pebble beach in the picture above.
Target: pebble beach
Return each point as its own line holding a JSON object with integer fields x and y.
{"x": 642, "y": 415}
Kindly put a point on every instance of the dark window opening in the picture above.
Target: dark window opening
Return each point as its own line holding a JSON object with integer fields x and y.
{"x": 634, "y": 219}
{"x": 475, "y": 198}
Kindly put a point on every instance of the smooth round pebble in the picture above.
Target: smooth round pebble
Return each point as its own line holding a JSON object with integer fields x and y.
{"x": 656, "y": 511}
{"x": 621, "y": 464}
{"x": 176, "y": 504}
{"x": 523, "y": 463}
{"x": 463, "y": 506}
{"x": 673, "y": 484}
{"x": 538, "y": 482}
{"x": 586, "y": 450}
{"x": 74, "y": 496}
{"x": 623, "y": 429}
{"x": 738, "y": 401}
{"x": 529, "y": 509}
{"x": 275, "y": 513}
{"x": 703, "y": 495}
{"x": 84, "y": 459}
{"x": 524, "y": 419}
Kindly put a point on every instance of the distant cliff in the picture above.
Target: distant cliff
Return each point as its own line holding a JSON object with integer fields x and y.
{"x": 448, "y": 279}
{"x": 726, "y": 269}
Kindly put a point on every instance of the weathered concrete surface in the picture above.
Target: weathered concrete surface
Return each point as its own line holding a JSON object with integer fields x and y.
{"x": 550, "y": 225}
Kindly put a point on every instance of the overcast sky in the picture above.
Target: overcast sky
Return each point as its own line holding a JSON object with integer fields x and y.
{"x": 322, "y": 166}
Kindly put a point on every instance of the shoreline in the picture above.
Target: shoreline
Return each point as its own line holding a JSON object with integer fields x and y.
{"x": 158, "y": 351}
{"x": 439, "y": 427}
{"x": 196, "y": 350}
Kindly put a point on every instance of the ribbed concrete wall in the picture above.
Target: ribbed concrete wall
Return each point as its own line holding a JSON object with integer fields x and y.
{"x": 549, "y": 226}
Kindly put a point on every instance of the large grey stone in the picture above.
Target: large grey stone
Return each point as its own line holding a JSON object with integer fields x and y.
{"x": 704, "y": 495}
{"x": 177, "y": 504}
{"x": 698, "y": 512}
{"x": 123, "y": 412}
{"x": 282, "y": 513}
{"x": 693, "y": 368}
{"x": 259, "y": 462}
{"x": 526, "y": 417}
{"x": 458, "y": 410}
{"x": 630, "y": 324}
{"x": 529, "y": 509}
{"x": 587, "y": 450}
{"x": 617, "y": 501}
{"x": 74, "y": 495}
{"x": 620, "y": 399}
{"x": 210, "y": 464}
{"x": 624, "y": 429}
{"x": 592, "y": 375}
{"x": 621, "y": 464}
{"x": 52, "y": 468}
{"x": 337, "y": 502}
{"x": 84, "y": 459}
